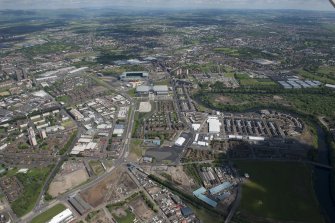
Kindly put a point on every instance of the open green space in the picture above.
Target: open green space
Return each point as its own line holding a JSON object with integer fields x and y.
{"x": 65, "y": 99}
{"x": 51, "y": 47}
{"x": 128, "y": 218}
{"x": 324, "y": 74}
{"x": 231, "y": 75}
{"x": 32, "y": 182}
{"x": 49, "y": 214}
{"x": 66, "y": 147}
{"x": 135, "y": 147}
{"x": 191, "y": 170}
{"x": 280, "y": 191}
{"x": 245, "y": 80}
{"x": 132, "y": 92}
{"x": 244, "y": 52}
{"x": 162, "y": 82}
{"x": 229, "y": 51}
{"x": 308, "y": 101}
{"x": 330, "y": 27}
{"x": 96, "y": 167}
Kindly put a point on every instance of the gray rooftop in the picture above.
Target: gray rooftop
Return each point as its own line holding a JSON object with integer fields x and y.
{"x": 142, "y": 88}
{"x": 161, "y": 88}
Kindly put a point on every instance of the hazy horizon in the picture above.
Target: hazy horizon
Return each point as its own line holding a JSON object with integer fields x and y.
{"x": 320, "y": 5}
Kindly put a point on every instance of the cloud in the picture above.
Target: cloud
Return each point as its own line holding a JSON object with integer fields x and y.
{"x": 247, "y": 4}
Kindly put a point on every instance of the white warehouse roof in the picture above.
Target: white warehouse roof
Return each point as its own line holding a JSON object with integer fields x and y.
{"x": 256, "y": 138}
{"x": 214, "y": 124}
{"x": 180, "y": 141}
{"x": 196, "y": 126}
{"x": 64, "y": 216}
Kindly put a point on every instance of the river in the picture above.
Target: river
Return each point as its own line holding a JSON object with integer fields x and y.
{"x": 322, "y": 179}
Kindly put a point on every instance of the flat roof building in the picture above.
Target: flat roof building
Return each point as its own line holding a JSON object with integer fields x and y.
{"x": 214, "y": 124}
{"x": 180, "y": 141}
{"x": 79, "y": 204}
{"x": 63, "y": 217}
{"x": 220, "y": 188}
{"x": 200, "y": 195}
{"x": 160, "y": 89}
{"x": 157, "y": 89}
{"x": 143, "y": 90}
{"x": 186, "y": 211}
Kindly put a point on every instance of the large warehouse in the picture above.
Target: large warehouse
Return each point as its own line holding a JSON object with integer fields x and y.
{"x": 134, "y": 76}
{"x": 63, "y": 217}
{"x": 214, "y": 125}
{"x": 144, "y": 90}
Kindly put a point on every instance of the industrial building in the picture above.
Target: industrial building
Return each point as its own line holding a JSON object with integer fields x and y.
{"x": 63, "y": 217}
{"x": 217, "y": 189}
{"x": 134, "y": 76}
{"x": 118, "y": 130}
{"x": 79, "y": 204}
{"x": 199, "y": 193}
{"x": 186, "y": 211}
{"x": 180, "y": 141}
{"x": 160, "y": 89}
{"x": 214, "y": 124}
{"x": 144, "y": 90}
{"x": 85, "y": 142}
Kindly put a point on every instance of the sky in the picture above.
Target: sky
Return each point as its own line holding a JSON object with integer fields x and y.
{"x": 184, "y": 4}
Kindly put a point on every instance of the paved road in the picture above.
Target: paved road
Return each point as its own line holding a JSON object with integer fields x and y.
{"x": 235, "y": 205}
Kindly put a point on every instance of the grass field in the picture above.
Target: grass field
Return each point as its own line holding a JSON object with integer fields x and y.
{"x": 245, "y": 80}
{"x": 51, "y": 47}
{"x": 32, "y": 183}
{"x": 323, "y": 74}
{"x": 49, "y": 214}
{"x": 128, "y": 218}
{"x": 280, "y": 191}
{"x": 96, "y": 167}
{"x": 132, "y": 92}
{"x": 229, "y": 75}
{"x": 135, "y": 147}
{"x": 303, "y": 102}
{"x": 229, "y": 51}
{"x": 65, "y": 99}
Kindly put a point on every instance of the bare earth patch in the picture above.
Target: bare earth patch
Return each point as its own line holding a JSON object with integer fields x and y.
{"x": 63, "y": 183}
